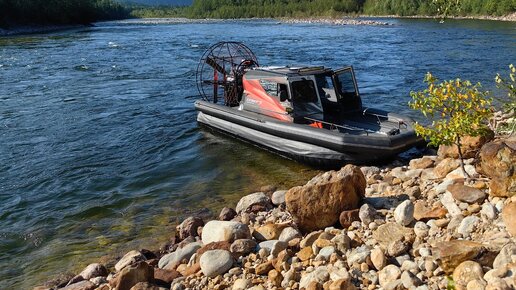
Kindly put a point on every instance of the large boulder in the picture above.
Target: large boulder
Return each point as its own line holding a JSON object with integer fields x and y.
{"x": 228, "y": 231}
{"x": 497, "y": 160}
{"x": 318, "y": 204}
{"x": 129, "y": 259}
{"x": 470, "y": 146}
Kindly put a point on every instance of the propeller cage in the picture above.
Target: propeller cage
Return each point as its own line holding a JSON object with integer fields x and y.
{"x": 220, "y": 71}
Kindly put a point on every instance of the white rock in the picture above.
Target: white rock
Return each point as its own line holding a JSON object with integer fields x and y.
{"x": 174, "y": 259}
{"x": 325, "y": 253}
{"x": 273, "y": 246}
{"x": 404, "y": 213}
{"x": 488, "y": 211}
{"x": 448, "y": 202}
{"x": 467, "y": 225}
{"x": 458, "y": 174}
{"x": 367, "y": 213}
{"x": 288, "y": 234}
{"x": 388, "y": 274}
{"x": 215, "y": 262}
{"x": 220, "y": 231}
{"x": 506, "y": 255}
{"x": 358, "y": 255}
{"x": 249, "y": 200}
{"x": 421, "y": 229}
{"x": 319, "y": 274}
{"x": 241, "y": 284}
{"x": 278, "y": 197}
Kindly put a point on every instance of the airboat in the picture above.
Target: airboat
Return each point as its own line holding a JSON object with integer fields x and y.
{"x": 312, "y": 114}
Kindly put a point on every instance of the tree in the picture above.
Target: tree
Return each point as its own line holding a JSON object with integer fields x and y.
{"x": 455, "y": 108}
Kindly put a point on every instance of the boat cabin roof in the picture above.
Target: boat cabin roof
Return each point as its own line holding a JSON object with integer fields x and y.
{"x": 287, "y": 71}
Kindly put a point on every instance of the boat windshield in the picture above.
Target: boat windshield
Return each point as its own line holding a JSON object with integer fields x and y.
{"x": 346, "y": 84}
{"x": 305, "y": 101}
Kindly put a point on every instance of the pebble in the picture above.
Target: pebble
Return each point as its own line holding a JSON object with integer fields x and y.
{"x": 404, "y": 213}
{"x": 467, "y": 225}
{"x": 388, "y": 274}
{"x": 488, "y": 211}
{"x": 367, "y": 213}
{"x": 378, "y": 259}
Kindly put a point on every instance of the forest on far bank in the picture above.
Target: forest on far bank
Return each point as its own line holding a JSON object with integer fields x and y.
{"x": 59, "y": 12}
{"x": 62, "y": 12}
{"x": 333, "y": 8}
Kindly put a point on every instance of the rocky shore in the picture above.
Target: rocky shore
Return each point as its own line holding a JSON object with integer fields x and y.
{"x": 421, "y": 225}
{"x": 334, "y": 21}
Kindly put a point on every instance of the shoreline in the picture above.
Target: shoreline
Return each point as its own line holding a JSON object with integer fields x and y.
{"x": 38, "y": 29}
{"x": 408, "y": 224}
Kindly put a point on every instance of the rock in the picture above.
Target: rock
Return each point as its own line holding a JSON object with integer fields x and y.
{"x": 243, "y": 247}
{"x": 129, "y": 258}
{"x": 342, "y": 284}
{"x": 215, "y": 262}
{"x": 446, "y": 166}
{"x": 227, "y": 214}
{"x": 275, "y": 278}
{"x": 268, "y": 232}
{"x": 264, "y": 268}
{"x": 241, "y": 284}
{"x": 459, "y": 174}
{"x": 257, "y": 198}
{"x": 342, "y": 242}
{"x": 498, "y": 284}
{"x": 422, "y": 212}
{"x": 469, "y": 146}
{"x": 347, "y": 217}
{"x": 476, "y": 285}
{"x": 325, "y": 253}
{"x": 506, "y": 256}
{"x": 278, "y": 197}
{"x": 467, "y": 225}
{"x": 410, "y": 280}
{"x": 388, "y": 274}
{"x": 488, "y": 211}
{"x": 288, "y": 234}
{"x": 132, "y": 275}
{"x": 421, "y": 163}
{"x": 165, "y": 276}
{"x": 318, "y": 204}
{"x": 369, "y": 170}
{"x": 305, "y": 253}
{"x": 189, "y": 227}
{"x": 464, "y": 193}
{"x": 389, "y": 232}
{"x": 450, "y": 205}
{"x": 497, "y": 160}
{"x": 273, "y": 246}
{"x": 172, "y": 260}
{"x": 319, "y": 275}
{"x": 358, "y": 255}
{"x": 144, "y": 286}
{"x": 81, "y": 285}
{"x": 218, "y": 231}
{"x": 397, "y": 247}
{"x": 309, "y": 239}
{"x": 404, "y": 213}
{"x": 367, "y": 214}
{"x": 93, "y": 270}
{"x": 509, "y": 218}
{"x": 421, "y": 229}
{"x": 452, "y": 253}
{"x": 378, "y": 259}
{"x": 467, "y": 271}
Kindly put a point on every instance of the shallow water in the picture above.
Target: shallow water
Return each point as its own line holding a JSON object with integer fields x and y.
{"x": 99, "y": 148}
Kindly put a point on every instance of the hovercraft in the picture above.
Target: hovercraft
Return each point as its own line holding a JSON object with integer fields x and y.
{"x": 311, "y": 114}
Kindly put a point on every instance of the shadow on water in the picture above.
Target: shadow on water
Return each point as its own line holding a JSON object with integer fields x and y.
{"x": 100, "y": 152}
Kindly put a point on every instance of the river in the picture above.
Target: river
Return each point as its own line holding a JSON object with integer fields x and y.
{"x": 99, "y": 148}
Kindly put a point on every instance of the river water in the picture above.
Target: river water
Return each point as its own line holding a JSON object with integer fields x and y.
{"x": 99, "y": 149}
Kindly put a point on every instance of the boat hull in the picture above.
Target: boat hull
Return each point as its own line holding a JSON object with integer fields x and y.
{"x": 310, "y": 145}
